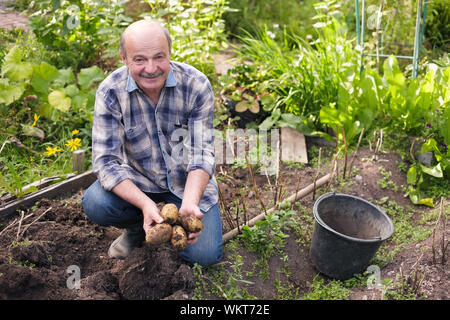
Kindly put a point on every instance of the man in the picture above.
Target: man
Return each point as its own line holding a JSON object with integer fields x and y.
{"x": 152, "y": 141}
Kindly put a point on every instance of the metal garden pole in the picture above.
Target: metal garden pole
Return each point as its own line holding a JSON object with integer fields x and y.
{"x": 417, "y": 40}
{"x": 418, "y": 36}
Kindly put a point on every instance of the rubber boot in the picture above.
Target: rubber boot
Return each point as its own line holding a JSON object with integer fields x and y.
{"x": 131, "y": 238}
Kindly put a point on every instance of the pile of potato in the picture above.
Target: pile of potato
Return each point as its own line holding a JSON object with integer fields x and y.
{"x": 174, "y": 228}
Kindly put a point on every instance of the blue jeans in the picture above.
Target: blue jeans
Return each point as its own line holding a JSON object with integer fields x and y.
{"x": 107, "y": 209}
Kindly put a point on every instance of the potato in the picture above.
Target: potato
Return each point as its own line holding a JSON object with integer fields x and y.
{"x": 191, "y": 223}
{"x": 179, "y": 238}
{"x": 170, "y": 213}
{"x": 158, "y": 234}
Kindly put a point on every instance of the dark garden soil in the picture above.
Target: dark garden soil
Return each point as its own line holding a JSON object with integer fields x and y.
{"x": 37, "y": 255}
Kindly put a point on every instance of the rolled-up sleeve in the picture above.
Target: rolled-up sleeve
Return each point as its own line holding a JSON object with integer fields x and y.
{"x": 202, "y": 131}
{"x": 107, "y": 140}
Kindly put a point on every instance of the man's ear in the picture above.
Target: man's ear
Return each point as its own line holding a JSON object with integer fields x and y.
{"x": 124, "y": 59}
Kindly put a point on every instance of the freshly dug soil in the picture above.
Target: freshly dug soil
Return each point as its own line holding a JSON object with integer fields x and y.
{"x": 36, "y": 265}
{"x": 37, "y": 260}
{"x": 154, "y": 273}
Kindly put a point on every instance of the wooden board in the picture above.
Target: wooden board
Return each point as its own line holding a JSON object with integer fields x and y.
{"x": 293, "y": 146}
{"x": 57, "y": 190}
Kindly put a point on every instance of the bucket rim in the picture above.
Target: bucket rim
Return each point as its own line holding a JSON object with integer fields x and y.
{"x": 324, "y": 225}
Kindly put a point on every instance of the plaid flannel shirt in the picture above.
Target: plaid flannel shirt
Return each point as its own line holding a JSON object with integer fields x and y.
{"x": 155, "y": 146}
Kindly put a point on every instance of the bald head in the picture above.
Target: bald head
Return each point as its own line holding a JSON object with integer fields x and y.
{"x": 144, "y": 28}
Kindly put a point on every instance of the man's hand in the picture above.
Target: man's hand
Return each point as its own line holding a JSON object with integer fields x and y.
{"x": 195, "y": 185}
{"x": 151, "y": 214}
{"x": 128, "y": 191}
{"x": 194, "y": 210}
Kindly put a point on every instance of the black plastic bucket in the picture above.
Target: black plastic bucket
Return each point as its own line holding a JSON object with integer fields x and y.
{"x": 347, "y": 232}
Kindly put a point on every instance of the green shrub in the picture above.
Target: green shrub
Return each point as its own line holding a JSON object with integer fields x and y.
{"x": 250, "y": 15}
{"x": 196, "y": 28}
{"x": 79, "y": 31}
{"x": 437, "y": 30}
{"x": 45, "y": 114}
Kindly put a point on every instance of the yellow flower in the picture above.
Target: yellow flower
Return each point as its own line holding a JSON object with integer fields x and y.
{"x": 51, "y": 151}
{"x": 76, "y": 131}
{"x": 73, "y": 144}
{"x": 36, "y": 118}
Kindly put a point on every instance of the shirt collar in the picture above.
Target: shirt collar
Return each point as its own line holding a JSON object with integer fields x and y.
{"x": 170, "y": 81}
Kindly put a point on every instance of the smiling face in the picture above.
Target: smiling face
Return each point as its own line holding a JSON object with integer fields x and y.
{"x": 147, "y": 57}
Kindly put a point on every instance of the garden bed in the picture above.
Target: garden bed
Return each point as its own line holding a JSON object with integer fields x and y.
{"x": 53, "y": 236}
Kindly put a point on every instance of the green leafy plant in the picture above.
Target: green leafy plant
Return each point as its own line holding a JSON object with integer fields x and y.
{"x": 196, "y": 28}
{"x": 78, "y": 31}
{"x": 16, "y": 187}
{"x": 297, "y": 77}
{"x": 437, "y": 30}
{"x": 52, "y": 91}
{"x": 249, "y": 15}
{"x": 419, "y": 175}
{"x": 333, "y": 290}
{"x": 268, "y": 235}
{"x": 38, "y": 105}
{"x": 357, "y": 91}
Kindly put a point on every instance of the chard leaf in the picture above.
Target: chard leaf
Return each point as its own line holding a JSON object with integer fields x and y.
{"x": 435, "y": 171}
{"x": 411, "y": 176}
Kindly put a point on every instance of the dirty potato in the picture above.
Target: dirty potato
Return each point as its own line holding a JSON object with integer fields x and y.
{"x": 191, "y": 223}
{"x": 170, "y": 213}
{"x": 158, "y": 234}
{"x": 179, "y": 238}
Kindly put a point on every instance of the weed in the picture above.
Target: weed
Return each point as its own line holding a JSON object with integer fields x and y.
{"x": 267, "y": 236}
{"x": 304, "y": 226}
{"x": 406, "y": 285}
{"x": 443, "y": 243}
{"x": 408, "y": 229}
{"x": 285, "y": 290}
{"x": 25, "y": 263}
{"x": 333, "y": 290}
{"x": 402, "y": 166}
{"x": 385, "y": 182}
{"x": 25, "y": 242}
{"x": 357, "y": 281}
{"x": 220, "y": 281}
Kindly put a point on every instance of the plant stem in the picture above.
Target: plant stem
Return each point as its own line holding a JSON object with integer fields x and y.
{"x": 252, "y": 176}
{"x": 225, "y": 209}
{"x": 296, "y": 190}
{"x": 22, "y": 213}
{"x": 317, "y": 174}
{"x": 356, "y": 151}
{"x": 346, "y": 152}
